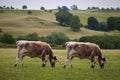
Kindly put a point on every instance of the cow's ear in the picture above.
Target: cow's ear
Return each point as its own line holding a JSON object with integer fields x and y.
{"x": 55, "y": 58}
{"x": 104, "y": 59}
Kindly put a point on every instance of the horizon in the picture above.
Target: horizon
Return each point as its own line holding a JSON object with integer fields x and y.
{"x": 36, "y": 4}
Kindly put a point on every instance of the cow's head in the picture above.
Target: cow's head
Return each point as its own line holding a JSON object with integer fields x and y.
{"x": 103, "y": 61}
{"x": 53, "y": 61}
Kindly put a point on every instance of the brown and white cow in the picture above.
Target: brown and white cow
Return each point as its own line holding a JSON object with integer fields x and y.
{"x": 35, "y": 49}
{"x": 84, "y": 50}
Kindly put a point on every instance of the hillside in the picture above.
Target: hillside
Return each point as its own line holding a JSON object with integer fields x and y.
{"x": 19, "y": 22}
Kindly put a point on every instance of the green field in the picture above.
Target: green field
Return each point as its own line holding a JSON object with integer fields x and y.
{"x": 19, "y": 22}
{"x": 81, "y": 70}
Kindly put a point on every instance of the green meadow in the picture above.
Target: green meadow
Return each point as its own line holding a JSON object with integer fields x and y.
{"x": 19, "y": 22}
{"x": 81, "y": 70}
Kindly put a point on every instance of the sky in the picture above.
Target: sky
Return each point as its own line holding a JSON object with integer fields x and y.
{"x": 53, "y": 4}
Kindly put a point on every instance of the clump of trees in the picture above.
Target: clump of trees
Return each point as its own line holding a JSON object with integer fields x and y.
{"x": 74, "y": 7}
{"x": 30, "y": 37}
{"x": 65, "y": 18}
{"x": 57, "y": 38}
{"x": 111, "y": 24}
{"x": 103, "y": 9}
{"x": 7, "y": 38}
{"x": 104, "y": 41}
{"x": 24, "y": 7}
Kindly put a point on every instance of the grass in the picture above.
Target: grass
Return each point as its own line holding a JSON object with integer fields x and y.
{"x": 32, "y": 69}
{"x": 18, "y": 22}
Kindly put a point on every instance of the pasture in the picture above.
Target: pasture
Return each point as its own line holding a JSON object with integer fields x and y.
{"x": 81, "y": 70}
{"x": 19, "y": 22}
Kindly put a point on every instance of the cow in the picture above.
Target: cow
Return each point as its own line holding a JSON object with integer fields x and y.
{"x": 84, "y": 50}
{"x": 34, "y": 49}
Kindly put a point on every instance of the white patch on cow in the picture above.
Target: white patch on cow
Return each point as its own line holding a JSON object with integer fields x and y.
{"x": 102, "y": 61}
{"x": 66, "y": 61}
{"x": 22, "y": 51}
{"x": 72, "y": 51}
{"x": 43, "y": 62}
{"x": 46, "y": 57}
{"x": 92, "y": 63}
{"x": 70, "y": 43}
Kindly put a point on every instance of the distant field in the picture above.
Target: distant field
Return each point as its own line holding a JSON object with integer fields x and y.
{"x": 18, "y": 22}
{"x": 32, "y": 69}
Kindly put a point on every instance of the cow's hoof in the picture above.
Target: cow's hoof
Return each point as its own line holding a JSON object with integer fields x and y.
{"x": 15, "y": 65}
{"x": 64, "y": 66}
{"x": 43, "y": 65}
{"x": 92, "y": 66}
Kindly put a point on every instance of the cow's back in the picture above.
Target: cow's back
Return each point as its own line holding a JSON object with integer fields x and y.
{"x": 84, "y": 50}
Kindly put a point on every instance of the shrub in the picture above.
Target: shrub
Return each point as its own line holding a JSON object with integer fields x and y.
{"x": 30, "y": 37}
{"x": 7, "y": 38}
{"x": 75, "y": 23}
{"x": 104, "y": 41}
{"x": 29, "y": 12}
{"x": 92, "y": 23}
{"x": 63, "y": 17}
{"x": 57, "y": 38}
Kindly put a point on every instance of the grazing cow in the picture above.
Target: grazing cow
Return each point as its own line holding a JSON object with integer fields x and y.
{"x": 84, "y": 50}
{"x": 35, "y": 49}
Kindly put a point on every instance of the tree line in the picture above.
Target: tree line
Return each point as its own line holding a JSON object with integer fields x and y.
{"x": 104, "y": 41}
{"x": 57, "y": 40}
{"x": 104, "y": 9}
{"x": 113, "y": 23}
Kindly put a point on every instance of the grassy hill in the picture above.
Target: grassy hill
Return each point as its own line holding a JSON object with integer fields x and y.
{"x": 19, "y": 22}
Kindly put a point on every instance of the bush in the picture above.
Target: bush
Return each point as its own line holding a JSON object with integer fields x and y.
{"x": 92, "y": 23}
{"x": 4, "y": 45}
{"x": 57, "y": 38}
{"x": 0, "y": 30}
{"x": 7, "y": 38}
{"x": 30, "y": 37}
{"x": 63, "y": 17}
{"x": 29, "y": 12}
{"x": 104, "y": 41}
{"x": 75, "y": 23}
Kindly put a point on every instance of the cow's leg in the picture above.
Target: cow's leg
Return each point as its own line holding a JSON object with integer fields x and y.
{"x": 43, "y": 62}
{"x": 16, "y": 61}
{"x": 68, "y": 60}
{"x": 92, "y": 61}
{"x": 21, "y": 60}
{"x": 101, "y": 62}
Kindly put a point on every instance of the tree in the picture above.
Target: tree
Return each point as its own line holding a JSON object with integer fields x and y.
{"x": 12, "y": 7}
{"x": 92, "y": 23}
{"x": 0, "y": 30}
{"x": 29, "y": 12}
{"x": 42, "y": 8}
{"x": 24, "y": 7}
{"x": 102, "y": 26}
{"x": 7, "y": 38}
{"x": 75, "y": 23}
{"x": 88, "y": 8}
{"x": 74, "y": 7}
{"x": 117, "y": 23}
{"x": 57, "y": 38}
{"x": 30, "y": 37}
{"x": 65, "y": 8}
{"x": 63, "y": 17}
{"x": 110, "y": 23}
